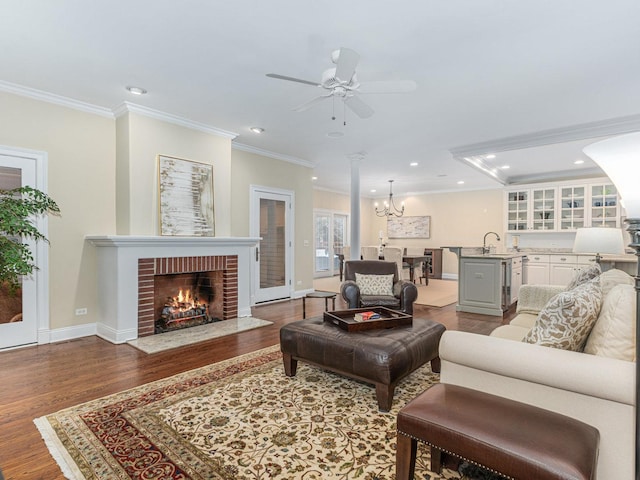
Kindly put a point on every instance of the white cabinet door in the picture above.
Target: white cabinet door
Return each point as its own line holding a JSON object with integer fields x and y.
{"x": 537, "y": 274}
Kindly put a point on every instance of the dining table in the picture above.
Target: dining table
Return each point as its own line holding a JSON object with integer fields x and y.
{"x": 415, "y": 261}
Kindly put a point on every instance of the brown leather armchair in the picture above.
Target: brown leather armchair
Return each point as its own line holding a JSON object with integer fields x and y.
{"x": 404, "y": 292}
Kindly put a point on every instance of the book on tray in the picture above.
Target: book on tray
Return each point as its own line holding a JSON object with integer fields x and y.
{"x": 364, "y": 316}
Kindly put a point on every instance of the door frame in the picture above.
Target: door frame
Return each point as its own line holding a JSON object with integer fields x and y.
{"x": 41, "y": 249}
{"x": 255, "y": 192}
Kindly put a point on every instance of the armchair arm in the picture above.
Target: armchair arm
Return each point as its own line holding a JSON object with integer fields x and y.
{"x": 533, "y": 298}
{"x": 350, "y": 292}
{"x": 407, "y": 292}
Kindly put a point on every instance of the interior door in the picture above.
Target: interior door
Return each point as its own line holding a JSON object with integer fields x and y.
{"x": 271, "y": 214}
{"x": 18, "y": 311}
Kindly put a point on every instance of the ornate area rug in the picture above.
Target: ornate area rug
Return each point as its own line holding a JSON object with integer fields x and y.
{"x": 238, "y": 419}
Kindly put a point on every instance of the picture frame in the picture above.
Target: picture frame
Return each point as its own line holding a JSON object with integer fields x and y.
{"x": 409, "y": 227}
{"x": 185, "y": 197}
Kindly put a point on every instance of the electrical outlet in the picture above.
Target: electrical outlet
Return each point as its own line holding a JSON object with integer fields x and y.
{"x": 81, "y": 311}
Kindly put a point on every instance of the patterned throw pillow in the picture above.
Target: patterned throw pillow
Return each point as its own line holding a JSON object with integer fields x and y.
{"x": 566, "y": 321}
{"x": 375, "y": 284}
{"x": 584, "y": 275}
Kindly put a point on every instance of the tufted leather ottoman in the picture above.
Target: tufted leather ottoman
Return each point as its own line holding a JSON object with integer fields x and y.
{"x": 513, "y": 439}
{"x": 381, "y": 357}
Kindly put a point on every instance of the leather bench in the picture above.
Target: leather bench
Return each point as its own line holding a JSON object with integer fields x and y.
{"x": 381, "y": 357}
{"x": 510, "y": 438}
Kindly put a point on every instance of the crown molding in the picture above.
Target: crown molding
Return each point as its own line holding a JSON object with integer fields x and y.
{"x": 128, "y": 107}
{"x": 267, "y": 153}
{"x": 55, "y": 99}
{"x": 603, "y": 128}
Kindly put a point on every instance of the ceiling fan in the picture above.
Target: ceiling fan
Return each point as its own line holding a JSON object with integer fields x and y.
{"x": 341, "y": 82}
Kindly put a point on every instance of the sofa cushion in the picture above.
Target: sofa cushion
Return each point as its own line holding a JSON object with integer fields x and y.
{"x": 568, "y": 318}
{"x": 613, "y": 334}
{"x": 613, "y": 277}
{"x": 584, "y": 275}
{"x": 375, "y": 284}
{"x": 510, "y": 332}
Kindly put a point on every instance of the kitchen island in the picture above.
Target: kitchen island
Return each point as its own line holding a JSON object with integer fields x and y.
{"x": 487, "y": 283}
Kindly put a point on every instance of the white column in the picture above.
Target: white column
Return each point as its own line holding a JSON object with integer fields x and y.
{"x": 355, "y": 207}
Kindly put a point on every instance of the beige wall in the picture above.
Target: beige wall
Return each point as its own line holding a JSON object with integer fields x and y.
{"x": 140, "y": 140}
{"x": 81, "y": 164}
{"x": 457, "y": 219}
{"x": 250, "y": 169}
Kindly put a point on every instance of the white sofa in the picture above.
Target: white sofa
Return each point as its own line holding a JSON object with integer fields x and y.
{"x": 595, "y": 389}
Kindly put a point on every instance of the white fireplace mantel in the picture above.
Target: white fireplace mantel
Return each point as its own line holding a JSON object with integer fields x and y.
{"x": 118, "y": 257}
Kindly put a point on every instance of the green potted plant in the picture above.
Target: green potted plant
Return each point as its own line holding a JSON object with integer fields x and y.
{"x": 18, "y": 209}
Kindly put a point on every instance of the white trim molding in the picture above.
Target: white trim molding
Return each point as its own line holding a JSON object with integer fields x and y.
{"x": 55, "y": 99}
{"x": 266, "y": 153}
{"x": 127, "y": 107}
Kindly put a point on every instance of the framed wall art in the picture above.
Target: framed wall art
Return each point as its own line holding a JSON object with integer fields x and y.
{"x": 185, "y": 197}
{"x": 409, "y": 227}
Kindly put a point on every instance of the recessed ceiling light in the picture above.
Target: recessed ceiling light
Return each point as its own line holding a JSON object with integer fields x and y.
{"x": 441, "y": 175}
{"x": 314, "y": 178}
{"x": 373, "y": 190}
{"x": 335, "y": 134}
{"x": 257, "y": 129}
{"x": 460, "y": 182}
{"x": 137, "y": 90}
{"x": 505, "y": 167}
{"x": 579, "y": 162}
{"x": 413, "y": 164}
{"x": 491, "y": 156}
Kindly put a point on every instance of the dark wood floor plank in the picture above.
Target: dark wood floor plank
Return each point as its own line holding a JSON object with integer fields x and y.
{"x": 43, "y": 379}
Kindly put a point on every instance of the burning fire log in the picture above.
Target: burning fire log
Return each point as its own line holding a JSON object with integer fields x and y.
{"x": 184, "y": 310}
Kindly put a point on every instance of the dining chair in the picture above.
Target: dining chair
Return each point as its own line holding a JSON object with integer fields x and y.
{"x": 394, "y": 254}
{"x": 369, "y": 253}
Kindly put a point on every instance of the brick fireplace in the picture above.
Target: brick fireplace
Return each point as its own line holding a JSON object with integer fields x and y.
{"x": 225, "y": 284}
{"x": 120, "y": 259}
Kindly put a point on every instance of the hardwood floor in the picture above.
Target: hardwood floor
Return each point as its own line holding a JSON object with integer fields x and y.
{"x": 44, "y": 379}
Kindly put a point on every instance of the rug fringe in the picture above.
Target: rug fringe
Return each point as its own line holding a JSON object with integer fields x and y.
{"x": 58, "y": 452}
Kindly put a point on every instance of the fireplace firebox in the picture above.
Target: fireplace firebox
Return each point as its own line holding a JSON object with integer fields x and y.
{"x": 180, "y": 292}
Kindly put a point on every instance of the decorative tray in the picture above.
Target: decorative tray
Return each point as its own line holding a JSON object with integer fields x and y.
{"x": 384, "y": 318}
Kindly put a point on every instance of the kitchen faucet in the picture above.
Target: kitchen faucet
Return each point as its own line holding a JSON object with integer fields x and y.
{"x": 486, "y": 249}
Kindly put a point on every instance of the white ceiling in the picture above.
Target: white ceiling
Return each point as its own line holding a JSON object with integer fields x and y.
{"x": 488, "y": 72}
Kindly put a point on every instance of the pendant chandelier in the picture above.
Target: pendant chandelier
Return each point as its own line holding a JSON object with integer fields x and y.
{"x": 390, "y": 209}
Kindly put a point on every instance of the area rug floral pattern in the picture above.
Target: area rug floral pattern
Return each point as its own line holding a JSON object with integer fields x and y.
{"x": 238, "y": 419}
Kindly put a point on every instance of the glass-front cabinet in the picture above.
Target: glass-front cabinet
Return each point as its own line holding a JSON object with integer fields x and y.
{"x": 557, "y": 207}
{"x": 572, "y": 207}
{"x": 518, "y": 210}
{"x": 544, "y": 209}
{"x": 604, "y": 206}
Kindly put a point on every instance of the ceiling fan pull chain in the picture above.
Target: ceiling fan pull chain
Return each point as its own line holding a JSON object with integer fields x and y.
{"x": 344, "y": 114}
{"x": 333, "y": 99}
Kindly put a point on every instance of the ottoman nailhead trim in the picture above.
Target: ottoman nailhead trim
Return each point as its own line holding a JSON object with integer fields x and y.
{"x": 456, "y": 455}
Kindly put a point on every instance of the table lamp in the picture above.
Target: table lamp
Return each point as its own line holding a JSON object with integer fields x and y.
{"x": 619, "y": 157}
{"x": 599, "y": 240}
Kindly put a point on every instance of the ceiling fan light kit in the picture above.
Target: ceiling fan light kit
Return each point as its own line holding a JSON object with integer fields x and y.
{"x": 341, "y": 82}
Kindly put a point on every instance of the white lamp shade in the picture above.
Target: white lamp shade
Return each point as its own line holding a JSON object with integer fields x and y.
{"x": 599, "y": 240}
{"x": 619, "y": 157}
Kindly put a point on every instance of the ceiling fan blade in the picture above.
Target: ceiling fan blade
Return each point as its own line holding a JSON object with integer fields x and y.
{"x": 311, "y": 103}
{"x": 292, "y": 79}
{"x": 400, "y": 86}
{"x": 358, "y": 107}
{"x": 346, "y": 66}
